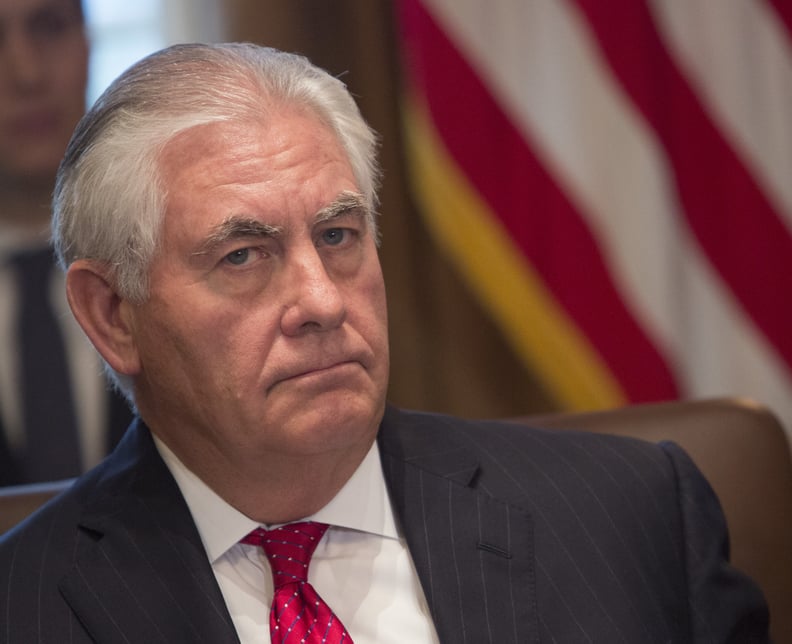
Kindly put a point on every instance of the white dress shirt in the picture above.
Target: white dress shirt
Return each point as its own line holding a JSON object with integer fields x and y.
{"x": 361, "y": 567}
{"x": 85, "y": 365}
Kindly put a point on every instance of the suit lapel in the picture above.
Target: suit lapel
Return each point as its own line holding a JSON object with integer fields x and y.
{"x": 141, "y": 573}
{"x": 473, "y": 553}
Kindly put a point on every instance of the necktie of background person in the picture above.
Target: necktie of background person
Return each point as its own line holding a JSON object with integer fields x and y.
{"x": 298, "y": 614}
{"x": 52, "y": 448}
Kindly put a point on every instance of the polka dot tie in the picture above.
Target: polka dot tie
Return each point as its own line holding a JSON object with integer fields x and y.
{"x": 298, "y": 614}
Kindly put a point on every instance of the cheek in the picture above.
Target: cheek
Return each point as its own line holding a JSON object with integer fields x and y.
{"x": 173, "y": 339}
{"x": 221, "y": 345}
{"x": 371, "y": 305}
{"x": 375, "y": 287}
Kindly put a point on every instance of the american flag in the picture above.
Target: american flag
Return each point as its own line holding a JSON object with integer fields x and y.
{"x": 614, "y": 180}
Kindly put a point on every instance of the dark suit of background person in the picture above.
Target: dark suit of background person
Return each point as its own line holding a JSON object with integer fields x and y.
{"x": 43, "y": 75}
{"x": 516, "y": 535}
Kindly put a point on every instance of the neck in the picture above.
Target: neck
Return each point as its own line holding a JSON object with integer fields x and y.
{"x": 276, "y": 488}
{"x": 301, "y": 489}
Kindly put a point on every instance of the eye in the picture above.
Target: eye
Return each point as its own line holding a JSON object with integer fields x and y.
{"x": 238, "y": 257}
{"x": 335, "y": 236}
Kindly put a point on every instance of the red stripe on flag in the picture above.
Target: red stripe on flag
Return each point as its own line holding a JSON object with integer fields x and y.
{"x": 734, "y": 222}
{"x": 542, "y": 221}
{"x": 783, "y": 9}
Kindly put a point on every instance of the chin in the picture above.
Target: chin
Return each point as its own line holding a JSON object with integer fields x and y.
{"x": 329, "y": 423}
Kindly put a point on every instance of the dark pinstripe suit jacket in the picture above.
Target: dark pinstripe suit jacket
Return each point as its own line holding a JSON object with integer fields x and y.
{"x": 518, "y": 535}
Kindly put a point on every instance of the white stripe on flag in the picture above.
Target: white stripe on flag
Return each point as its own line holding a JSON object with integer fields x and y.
{"x": 543, "y": 66}
{"x": 739, "y": 58}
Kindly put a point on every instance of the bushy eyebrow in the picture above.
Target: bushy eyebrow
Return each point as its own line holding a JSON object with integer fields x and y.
{"x": 236, "y": 227}
{"x": 347, "y": 203}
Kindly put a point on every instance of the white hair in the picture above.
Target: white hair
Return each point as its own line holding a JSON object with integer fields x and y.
{"x": 109, "y": 198}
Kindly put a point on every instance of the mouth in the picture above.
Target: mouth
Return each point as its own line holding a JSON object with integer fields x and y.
{"x": 320, "y": 375}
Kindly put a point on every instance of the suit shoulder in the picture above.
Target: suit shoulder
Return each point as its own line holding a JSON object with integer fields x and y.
{"x": 52, "y": 524}
{"x": 516, "y": 456}
{"x": 500, "y": 433}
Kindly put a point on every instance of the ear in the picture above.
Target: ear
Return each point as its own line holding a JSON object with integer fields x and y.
{"x": 103, "y": 314}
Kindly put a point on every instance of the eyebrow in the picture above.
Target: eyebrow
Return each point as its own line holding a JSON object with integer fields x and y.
{"x": 346, "y": 202}
{"x": 236, "y": 227}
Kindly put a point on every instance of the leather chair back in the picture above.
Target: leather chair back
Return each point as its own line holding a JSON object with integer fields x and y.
{"x": 19, "y": 501}
{"x": 744, "y": 452}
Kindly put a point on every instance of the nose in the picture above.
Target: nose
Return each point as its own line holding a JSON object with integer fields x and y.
{"x": 313, "y": 299}
{"x": 24, "y": 65}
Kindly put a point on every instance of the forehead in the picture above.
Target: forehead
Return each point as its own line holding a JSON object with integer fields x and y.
{"x": 262, "y": 167}
{"x": 252, "y": 150}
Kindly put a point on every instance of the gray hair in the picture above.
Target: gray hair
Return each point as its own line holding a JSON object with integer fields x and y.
{"x": 109, "y": 199}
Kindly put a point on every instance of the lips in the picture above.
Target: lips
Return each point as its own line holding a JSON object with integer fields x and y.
{"x": 321, "y": 371}
{"x": 317, "y": 372}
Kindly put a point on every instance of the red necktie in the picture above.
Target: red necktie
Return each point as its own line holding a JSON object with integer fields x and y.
{"x": 298, "y": 614}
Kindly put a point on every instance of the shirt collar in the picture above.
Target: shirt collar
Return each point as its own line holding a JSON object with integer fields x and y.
{"x": 362, "y": 504}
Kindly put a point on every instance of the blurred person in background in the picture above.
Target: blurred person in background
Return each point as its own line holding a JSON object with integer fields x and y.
{"x": 57, "y": 416}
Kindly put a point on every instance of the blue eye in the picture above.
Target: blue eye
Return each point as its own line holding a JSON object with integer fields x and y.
{"x": 334, "y": 236}
{"x": 238, "y": 257}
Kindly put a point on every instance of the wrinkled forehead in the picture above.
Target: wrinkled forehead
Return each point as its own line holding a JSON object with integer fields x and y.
{"x": 290, "y": 164}
{"x": 241, "y": 148}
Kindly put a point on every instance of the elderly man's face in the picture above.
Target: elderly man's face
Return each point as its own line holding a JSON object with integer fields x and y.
{"x": 43, "y": 76}
{"x": 265, "y": 331}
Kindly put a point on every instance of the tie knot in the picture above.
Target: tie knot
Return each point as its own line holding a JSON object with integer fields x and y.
{"x": 289, "y": 549}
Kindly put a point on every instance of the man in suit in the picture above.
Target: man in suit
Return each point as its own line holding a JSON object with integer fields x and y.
{"x": 46, "y": 364}
{"x": 215, "y": 212}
